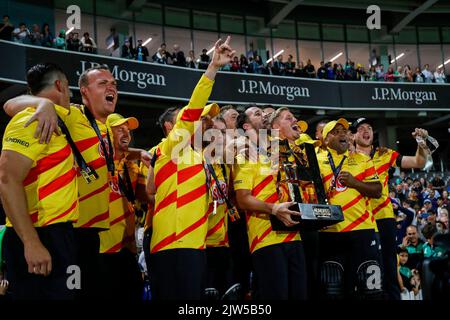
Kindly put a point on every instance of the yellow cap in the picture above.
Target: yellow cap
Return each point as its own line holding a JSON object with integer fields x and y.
{"x": 330, "y": 126}
{"x": 303, "y": 125}
{"x": 211, "y": 109}
{"x": 115, "y": 119}
{"x": 305, "y": 138}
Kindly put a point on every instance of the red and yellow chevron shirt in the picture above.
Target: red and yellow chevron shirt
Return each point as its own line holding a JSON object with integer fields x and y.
{"x": 121, "y": 233}
{"x": 382, "y": 207}
{"x": 260, "y": 179}
{"x": 180, "y": 217}
{"x": 51, "y": 184}
{"x": 355, "y": 206}
{"x": 93, "y": 197}
{"x": 217, "y": 235}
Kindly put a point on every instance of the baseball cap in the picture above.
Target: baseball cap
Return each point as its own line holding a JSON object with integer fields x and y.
{"x": 305, "y": 138}
{"x": 427, "y": 200}
{"x": 358, "y": 122}
{"x": 303, "y": 125}
{"x": 330, "y": 126}
{"x": 211, "y": 109}
{"x": 115, "y": 119}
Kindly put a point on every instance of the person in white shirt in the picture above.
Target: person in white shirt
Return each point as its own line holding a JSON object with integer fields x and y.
{"x": 439, "y": 75}
{"x": 427, "y": 74}
{"x": 21, "y": 33}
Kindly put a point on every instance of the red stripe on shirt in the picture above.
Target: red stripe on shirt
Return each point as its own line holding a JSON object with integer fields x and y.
{"x": 357, "y": 222}
{"x": 122, "y": 217}
{"x": 187, "y": 173}
{"x": 165, "y": 172}
{"x": 96, "y": 219}
{"x": 173, "y": 237}
{"x": 93, "y": 193}
{"x": 57, "y": 184}
{"x": 191, "y": 114}
{"x": 47, "y": 163}
{"x": 290, "y": 236}
{"x": 273, "y": 198}
{"x": 259, "y": 239}
{"x": 171, "y": 198}
{"x": 381, "y": 206}
{"x": 328, "y": 177}
{"x": 119, "y": 245}
{"x": 191, "y": 196}
{"x": 367, "y": 173}
{"x": 62, "y": 214}
{"x": 216, "y": 227}
{"x": 34, "y": 216}
{"x": 85, "y": 144}
{"x": 256, "y": 190}
{"x": 351, "y": 203}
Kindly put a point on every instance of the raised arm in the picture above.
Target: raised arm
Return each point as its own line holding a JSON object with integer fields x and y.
{"x": 420, "y": 158}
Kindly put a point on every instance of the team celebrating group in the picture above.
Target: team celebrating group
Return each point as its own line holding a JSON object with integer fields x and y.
{"x": 72, "y": 188}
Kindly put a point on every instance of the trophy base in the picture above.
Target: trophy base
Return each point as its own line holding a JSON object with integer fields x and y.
{"x": 314, "y": 217}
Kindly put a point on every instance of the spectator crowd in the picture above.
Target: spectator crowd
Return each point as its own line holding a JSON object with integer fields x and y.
{"x": 252, "y": 63}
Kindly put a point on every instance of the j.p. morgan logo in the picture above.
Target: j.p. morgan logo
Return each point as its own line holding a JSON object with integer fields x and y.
{"x": 322, "y": 212}
{"x": 141, "y": 79}
{"x": 267, "y": 88}
{"x": 399, "y": 94}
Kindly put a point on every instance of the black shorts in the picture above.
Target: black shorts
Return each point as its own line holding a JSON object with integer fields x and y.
{"x": 220, "y": 269}
{"x": 59, "y": 240}
{"x": 351, "y": 250}
{"x": 178, "y": 274}
{"x": 280, "y": 272}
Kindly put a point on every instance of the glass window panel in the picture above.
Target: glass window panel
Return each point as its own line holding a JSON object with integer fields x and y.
{"x": 429, "y": 34}
{"x": 431, "y": 55}
{"x": 310, "y": 50}
{"x": 407, "y": 35}
{"x": 333, "y": 32}
{"x": 233, "y": 24}
{"x": 447, "y": 58}
{"x": 445, "y": 34}
{"x": 179, "y": 36}
{"x": 382, "y": 52}
{"x": 260, "y": 45}
{"x": 146, "y": 31}
{"x": 205, "y": 20}
{"x": 123, "y": 29}
{"x": 177, "y": 17}
{"x": 357, "y": 33}
{"x": 380, "y": 36}
{"x": 204, "y": 40}
{"x": 308, "y": 30}
{"x": 359, "y": 53}
{"x": 149, "y": 14}
{"x": 409, "y": 57}
{"x": 254, "y": 25}
{"x": 288, "y": 46}
{"x": 334, "y": 50}
{"x": 285, "y": 29}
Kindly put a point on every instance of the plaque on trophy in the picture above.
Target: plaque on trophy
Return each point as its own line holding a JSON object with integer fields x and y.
{"x": 300, "y": 175}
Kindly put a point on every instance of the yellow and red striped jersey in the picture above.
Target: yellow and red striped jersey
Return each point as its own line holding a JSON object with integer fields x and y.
{"x": 121, "y": 233}
{"x": 217, "y": 235}
{"x": 260, "y": 179}
{"x": 382, "y": 207}
{"x": 355, "y": 206}
{"x": 51, "y": 184}
{"x": 93, "y": 197}
{"x": 180, "y": 218}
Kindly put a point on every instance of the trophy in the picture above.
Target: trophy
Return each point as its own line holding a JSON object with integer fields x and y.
{"x": 303, "y": 182}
